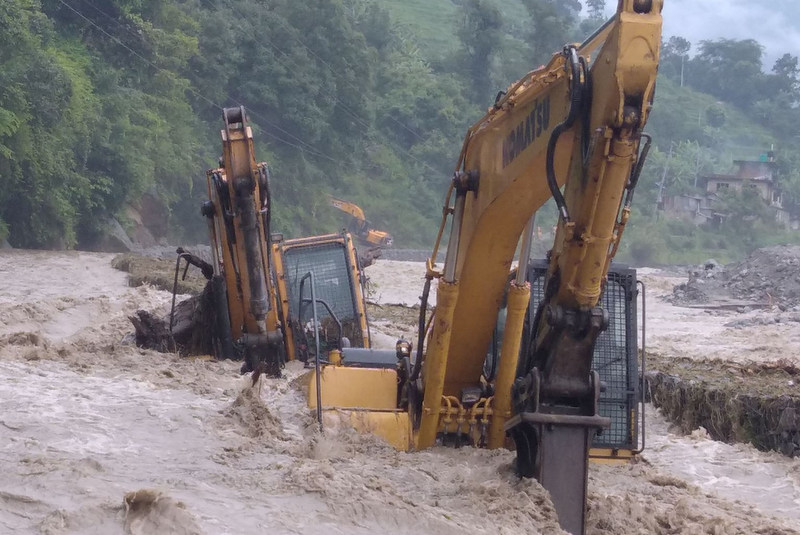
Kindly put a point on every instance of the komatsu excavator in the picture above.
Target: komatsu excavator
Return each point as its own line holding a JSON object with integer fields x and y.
{"x": 267, "y": 306}
{"x": 575, "y": 123}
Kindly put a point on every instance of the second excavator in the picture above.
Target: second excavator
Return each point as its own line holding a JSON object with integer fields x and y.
{"x": 267, "y": 306}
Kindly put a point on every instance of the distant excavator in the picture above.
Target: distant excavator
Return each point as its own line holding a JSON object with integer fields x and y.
{"x": 359, "y": 226}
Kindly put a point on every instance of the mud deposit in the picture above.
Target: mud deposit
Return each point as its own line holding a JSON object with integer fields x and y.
{"x": 159, "y": 273}
{"x": 99, "y": 437}
{"x": 756, "y": 403}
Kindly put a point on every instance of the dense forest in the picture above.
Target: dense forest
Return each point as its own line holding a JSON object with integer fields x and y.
{"x": 103, "y": 103}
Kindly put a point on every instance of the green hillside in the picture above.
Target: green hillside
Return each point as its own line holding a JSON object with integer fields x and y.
{"x": 104, "y": 104}
{"x": 682, "y": 113}
{"x": 433, "y": 22}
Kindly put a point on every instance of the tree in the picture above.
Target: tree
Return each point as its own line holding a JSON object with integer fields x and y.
{"x": 730, "y": 70}
{"x": 596, "y": 8}
{"x": 745, "y": 214}
{"x": 787, "y": 76}
{"x": 674, "y": 55}
{"x": 777, "y": 108}
{"x": 480, "y": 35}
{"x": 552, "y": 26}
{"x": 595, "y": 16}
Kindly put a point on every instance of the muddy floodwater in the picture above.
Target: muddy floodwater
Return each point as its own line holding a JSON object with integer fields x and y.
{"x": 99, "y": 437}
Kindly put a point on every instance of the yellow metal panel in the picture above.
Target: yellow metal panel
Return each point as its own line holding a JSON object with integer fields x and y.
{"x": 311, "y": 240}
{"x": 392, "y": 426}
{"x": 355, "y": 388}
{"x": 609, "y": 456}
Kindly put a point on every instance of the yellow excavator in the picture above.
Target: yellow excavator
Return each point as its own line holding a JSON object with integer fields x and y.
{"x": 576, "y": 123}
{"x": 274, "y": 299}
{"x": 360, "y": 227}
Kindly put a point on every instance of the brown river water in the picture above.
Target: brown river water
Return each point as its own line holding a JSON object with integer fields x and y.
{"x": 100, "y": 437}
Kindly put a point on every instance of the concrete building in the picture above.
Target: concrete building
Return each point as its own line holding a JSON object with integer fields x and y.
{"x": 756, "y": 174}
{"x": 751, "y": 174}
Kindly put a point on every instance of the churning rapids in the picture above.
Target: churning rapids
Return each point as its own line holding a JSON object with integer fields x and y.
{"x": 100, "y": 437}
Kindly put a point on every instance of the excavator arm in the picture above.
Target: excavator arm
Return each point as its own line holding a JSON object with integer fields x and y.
{"x": 262, "y": 307}
{"x": 348, "y": 208}
{"x": 577, "y": 124}
{"x": 238, "y": 215}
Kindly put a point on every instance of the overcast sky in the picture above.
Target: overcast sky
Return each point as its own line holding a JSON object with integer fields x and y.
{"x": 773, "y": 23}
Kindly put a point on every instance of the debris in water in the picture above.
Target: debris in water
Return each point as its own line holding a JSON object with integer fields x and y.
{"x": 149, "y": 511}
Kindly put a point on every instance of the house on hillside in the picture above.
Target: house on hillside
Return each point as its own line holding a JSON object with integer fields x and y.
{"x": 751, "y": 174}
{"x": 756, "y": 174}
{"x": 688, "y": 207}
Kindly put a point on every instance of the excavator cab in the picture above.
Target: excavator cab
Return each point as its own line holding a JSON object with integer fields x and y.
{"x": 339, "y": 304}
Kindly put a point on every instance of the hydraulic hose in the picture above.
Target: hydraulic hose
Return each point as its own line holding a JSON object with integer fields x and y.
{"x": 577, "y": 87}
{"x": 422, "y": 328}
